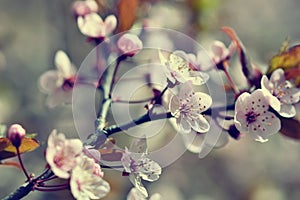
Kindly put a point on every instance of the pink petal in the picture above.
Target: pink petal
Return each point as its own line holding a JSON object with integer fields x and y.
{"x": 184, "y": 126}
{"x": 277, "y": 76}
{"x": 287, "y": 110}
{"x": 110, "y": 24}
{"x": 63, "y": 64}
{"x": 48, "y": 81}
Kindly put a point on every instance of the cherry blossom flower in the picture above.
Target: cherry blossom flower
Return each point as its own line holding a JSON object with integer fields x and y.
{"x": 15, "y": 134}
{"x": 93, "y": 26}
{"x": 178, "y": 69}
{"x": 85, "y": 184}
{"x": 252, "y": 116}
{"x": 58, "y": 84}
{"x": 81, "y": 8}
{"x": 62, "y": 154}
{"x": 200, "y": 62}
{"x": 220, "y": 53}
{"x": 129, "y": 44}
{"x": 139, "y": 166}
{"x": 135, "y": 194}
{"x": 281, "y": 92}
{"x": 187, "y": 108}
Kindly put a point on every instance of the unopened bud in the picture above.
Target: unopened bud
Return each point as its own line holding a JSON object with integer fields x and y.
{"x": 129, "y": 44}
{"x": 15, "y": 134}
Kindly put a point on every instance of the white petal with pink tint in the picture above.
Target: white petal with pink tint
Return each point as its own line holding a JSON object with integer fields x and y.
{"x": 58, "y": 83}
{"x": 187, "y": 108}
{"x": 85, "y": 184}
{"x": 252, "y": 116}
{"x": 93, "y": 26}
{"x": 282, "y": 93}
{"x": 129, "y": 44}
{"x": 62, "y": 154}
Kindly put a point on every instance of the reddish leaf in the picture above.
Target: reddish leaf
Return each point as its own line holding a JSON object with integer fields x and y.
{"x": 290, "y": 128}
{"x": 247, "y": 67}
{"x": 289, "y": 61}
{"x": 127, "y": 10}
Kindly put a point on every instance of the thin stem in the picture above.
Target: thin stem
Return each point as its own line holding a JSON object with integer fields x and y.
{"x": 132, "y": 102}
{"x": 22, "y": 165}
{"x": 50, "y": 189}
{"x": 111, "y": 167}
{"x": 23, "y": 191}
{"x": 57, "y": 186}
{"x": 47, "y": 179}
{"x": 231, "y": 82}
{"x": 143, "y": 119}
{"x": 158, "y": 98}
{"x": 116, "y": 69}
{"x": 107, "y": 86}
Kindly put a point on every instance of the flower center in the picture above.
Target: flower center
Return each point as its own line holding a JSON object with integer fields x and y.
{"x": 69, "y": 83}
{"x": 251, "y": 117}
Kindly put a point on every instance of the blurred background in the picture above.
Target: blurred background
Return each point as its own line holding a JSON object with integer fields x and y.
{"x": 32, "y": 31}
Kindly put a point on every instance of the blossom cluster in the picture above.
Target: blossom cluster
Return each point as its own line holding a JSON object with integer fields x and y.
{"x": 257, "y": 109}
{"x": 68, "y": 159}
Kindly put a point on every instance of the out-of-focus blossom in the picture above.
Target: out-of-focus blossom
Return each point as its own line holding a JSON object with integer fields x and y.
{"x": 129, "y": 44}
{"x": 63, "y": 154}
{"x": 139, "y": 166}
{"x": 93, "y": 26}
{"x": 200, "y": 62}
{"x": 282, "y": 93}
{"x": 252, "y": 116}
{"x": 2, "y": 61}
{"x": 135, "y": 194}
{"x": 81, "y": 8}
{"x": 187, "y": 108}
{"x": 89, "y": 151}
{"x": 58, "y": 84}
{"x": 220, "y": 53}
{"x": 85, "y": 184}
{"x": 97, "y": 170}
{"x": 15, "y": 134}
{"x": 178, "y": 69}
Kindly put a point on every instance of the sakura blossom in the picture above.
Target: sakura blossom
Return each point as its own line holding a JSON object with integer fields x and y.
{"x": 85, "y": 184}
{"x": 252, "y": 116}
{"x": 93, "y": 26}
{"x": 282, "y": 93}
{"x": 129, "y": 44}
{"x": 135, "y": 194}
{"x": 63, "y": 154}
{"x": 200, "y": 61}
{"x": 178, "y": 69}
{"x": 81, "y": 8}
{"x": 187, "y": 108}
{"x": 58, "y": 84}
{"x": 136, "y": 163}
{"x": 219, "y": 52}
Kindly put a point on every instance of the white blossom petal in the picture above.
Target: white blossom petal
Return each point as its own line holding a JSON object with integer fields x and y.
{"x": 48, "y": 81}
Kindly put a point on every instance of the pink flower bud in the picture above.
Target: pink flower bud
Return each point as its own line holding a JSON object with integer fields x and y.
{"x": 129, "y": 44}
{"x": 81, "y": 8}
{"x": 15, "y": 134}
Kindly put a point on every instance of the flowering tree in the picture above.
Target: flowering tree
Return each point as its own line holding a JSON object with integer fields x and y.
{"x": 187, "y": 90}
